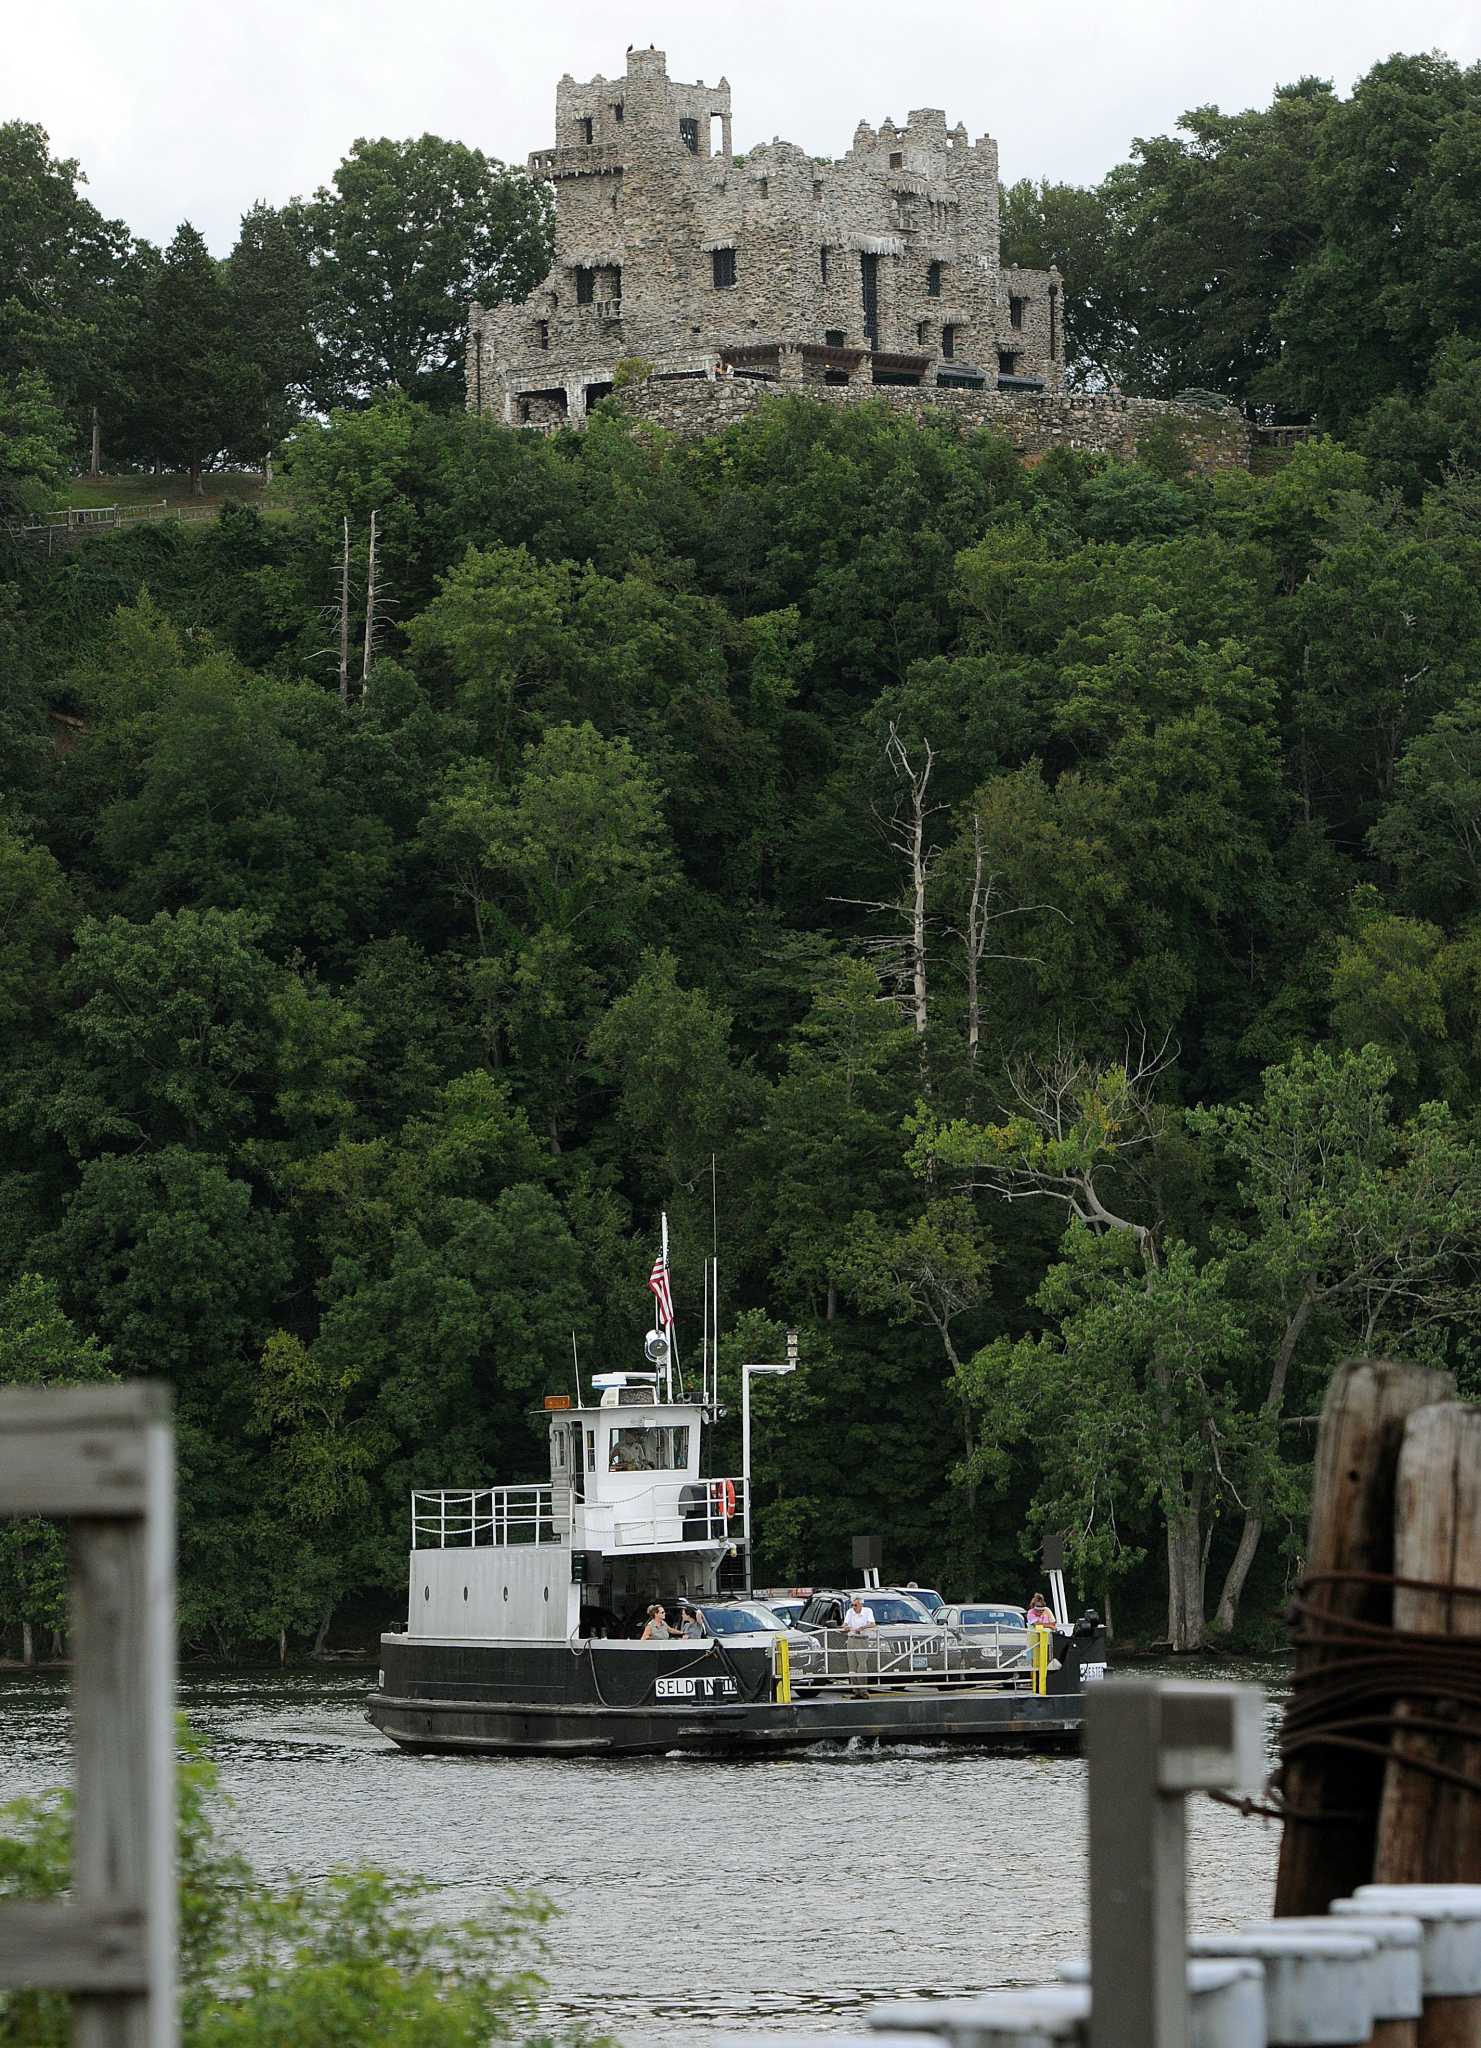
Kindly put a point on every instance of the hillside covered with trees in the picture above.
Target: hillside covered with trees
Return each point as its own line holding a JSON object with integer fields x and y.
{"x": 1040, "y": 909}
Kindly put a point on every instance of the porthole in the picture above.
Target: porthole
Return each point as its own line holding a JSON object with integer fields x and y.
{"x": 465, "y": 1592}
{"x": 506, "y": 1592}
{"x": 547, "y": 1595}
{"x": 426, "y": 1592}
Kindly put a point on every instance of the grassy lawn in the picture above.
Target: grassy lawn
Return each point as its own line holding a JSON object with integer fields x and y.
{"x": 245, "y": 486}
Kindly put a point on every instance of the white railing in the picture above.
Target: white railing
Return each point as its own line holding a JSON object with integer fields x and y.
{"x": 468, "y": 1517}
{"x": 676, "y": 1510}
{"x": 869, "y": 1659}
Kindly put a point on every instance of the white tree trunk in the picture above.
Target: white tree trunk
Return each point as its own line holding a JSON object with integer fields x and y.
{"x": 344, "y": 619}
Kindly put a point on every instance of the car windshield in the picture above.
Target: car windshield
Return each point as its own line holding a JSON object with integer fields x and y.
{"x": 741, "y": 1621}
{"x": 991, "y": 1617}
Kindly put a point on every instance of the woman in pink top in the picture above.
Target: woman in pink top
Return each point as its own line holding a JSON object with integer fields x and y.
{"x": 1038, "y": 1615}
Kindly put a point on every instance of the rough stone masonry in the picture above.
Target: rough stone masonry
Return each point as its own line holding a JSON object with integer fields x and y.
{"x": 719, "y": 281}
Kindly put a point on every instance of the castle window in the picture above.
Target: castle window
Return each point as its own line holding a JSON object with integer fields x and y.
{"x": 922, "y": 333}
{"x": 897, "y": 159}
{"x": 542, "y": 328}
{"x": 723, "y": 266}
{"x": 586, "y": 128}
{"x": 948, "y": 341}
{"x": 833, "y": 337}
{"x": 933, "y": 280}
{"x": 1015, "y": 312}
{"x": 761, "y": 188}
{"x": 617, "y": 113}
{"x": 616, "y": 291}
{"x": 1007, "y": 363}
{"x": 689, "y": 135}
{"x": 869, "y": 292}
{"x": 823, "y": 263}
{"x": 586, "y": 284}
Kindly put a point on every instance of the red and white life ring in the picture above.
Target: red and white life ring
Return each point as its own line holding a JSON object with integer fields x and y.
{"x": 722, "y": 1494}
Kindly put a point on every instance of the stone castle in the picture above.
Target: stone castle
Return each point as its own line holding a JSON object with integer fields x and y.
{"x": 718, "y": 280}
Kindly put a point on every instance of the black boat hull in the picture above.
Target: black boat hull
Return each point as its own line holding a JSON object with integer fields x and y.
{"x": 609, "y": 1700}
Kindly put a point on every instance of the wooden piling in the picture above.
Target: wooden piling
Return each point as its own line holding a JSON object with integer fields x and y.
{"x": 1353, "y": 1490}
{"x": 1429, "y": 1830}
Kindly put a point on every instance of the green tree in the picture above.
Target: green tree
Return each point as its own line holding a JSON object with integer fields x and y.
{"x": 270, "y": 288}
{"x": 39, "y": 1347}
{"x": 405, "y": 238}
{"x": 34, "y": 441}
{"x": 191, "y": 385}
{"x": 64, "y": 269}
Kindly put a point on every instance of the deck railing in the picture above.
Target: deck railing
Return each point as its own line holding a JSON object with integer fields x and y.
{"x": 469, "y": 1517}
{"x": 679, "y": 1510}
{"x": 837, "y": 1659}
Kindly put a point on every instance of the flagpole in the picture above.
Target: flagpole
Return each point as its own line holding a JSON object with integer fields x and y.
{"x": 664, "y": 1254}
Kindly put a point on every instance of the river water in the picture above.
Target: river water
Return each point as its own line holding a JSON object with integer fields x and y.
{"x": 696, "y": 1897}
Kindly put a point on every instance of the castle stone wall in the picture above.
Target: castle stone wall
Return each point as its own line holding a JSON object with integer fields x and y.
{"x": 1034, "y": 423}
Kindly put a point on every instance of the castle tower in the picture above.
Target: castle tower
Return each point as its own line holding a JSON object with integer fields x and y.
{"x": 882, "y": 268}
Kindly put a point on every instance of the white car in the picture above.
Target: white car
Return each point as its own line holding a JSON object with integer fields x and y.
{"x": 995, "y": 1632}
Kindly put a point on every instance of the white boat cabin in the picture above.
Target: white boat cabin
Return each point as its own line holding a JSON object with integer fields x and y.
{"x": 627, "y": 1517}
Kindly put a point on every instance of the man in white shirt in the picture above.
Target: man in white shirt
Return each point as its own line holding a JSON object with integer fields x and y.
{"x": 858, "y": 1624}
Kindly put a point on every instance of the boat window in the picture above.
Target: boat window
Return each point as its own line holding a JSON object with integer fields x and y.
{"x": 649, "y": 1450}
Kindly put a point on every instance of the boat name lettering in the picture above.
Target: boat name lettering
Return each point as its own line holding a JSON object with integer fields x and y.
{"x": 695, "y": 1688}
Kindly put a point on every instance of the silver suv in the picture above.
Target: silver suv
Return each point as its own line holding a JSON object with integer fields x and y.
{"x": 904, "y": 1634}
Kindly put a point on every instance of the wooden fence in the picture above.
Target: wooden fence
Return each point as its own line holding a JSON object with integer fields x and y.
{"x": 103, "y": 1457}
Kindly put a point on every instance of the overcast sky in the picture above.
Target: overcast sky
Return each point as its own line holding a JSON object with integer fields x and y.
{"x": 195, "y": 108}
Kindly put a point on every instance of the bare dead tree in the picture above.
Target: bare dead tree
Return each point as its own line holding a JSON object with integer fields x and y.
{"x": 981, "y": 917}
{"x": 370, "y": 607}
{"x": 1053, "y": 1096}
{"x": 344, "y": 618}
{"x": 902, "y": 954}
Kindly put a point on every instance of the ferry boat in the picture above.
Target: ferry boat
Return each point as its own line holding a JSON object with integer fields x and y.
{"x": 526, "y": 1605}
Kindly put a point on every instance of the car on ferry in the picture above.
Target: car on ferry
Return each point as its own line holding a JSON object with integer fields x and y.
{"x": 787, "y": 1606}
{"x": 994, "y": 1632}
{"x": 752, "y": 1620}
{"x": 925, "y": 1596}
{"x": 904, "y": 1631}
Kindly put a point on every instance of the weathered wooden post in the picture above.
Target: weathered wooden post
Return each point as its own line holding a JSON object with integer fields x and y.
{"x": 103, "y": 1456}
{"x": 1429, "y": 1827}
{"x": 1353, "y": 1488}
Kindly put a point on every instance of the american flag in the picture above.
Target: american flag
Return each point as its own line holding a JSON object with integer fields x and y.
{"x": 658, "y": 1285}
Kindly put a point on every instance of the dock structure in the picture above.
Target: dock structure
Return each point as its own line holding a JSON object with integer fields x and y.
{"x": 103, "y": 1457}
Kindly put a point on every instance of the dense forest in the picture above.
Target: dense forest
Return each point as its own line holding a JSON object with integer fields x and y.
{"x": 1030, "y": 918}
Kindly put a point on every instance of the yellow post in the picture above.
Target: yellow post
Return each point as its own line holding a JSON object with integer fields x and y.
{"x": 783, "y": 1670}
{"x": 1040, "y": 1659}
